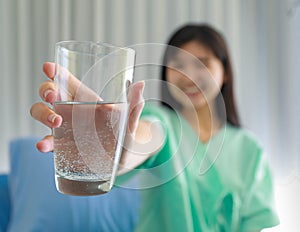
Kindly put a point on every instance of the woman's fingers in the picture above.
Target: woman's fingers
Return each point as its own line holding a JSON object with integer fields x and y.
{"x": 48, "y": 92}
{"x": 136, "y": 101}
{"x": 46, "y": 144}
{"x": 68, "y": 87}
{"x": 49, "y": 69}
{"x": 42, "y": 113}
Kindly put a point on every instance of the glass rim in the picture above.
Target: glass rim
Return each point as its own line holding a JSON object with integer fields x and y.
{"x": 97, "y": 43}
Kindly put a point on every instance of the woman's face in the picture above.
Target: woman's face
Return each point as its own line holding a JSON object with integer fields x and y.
{"x": 195, "y": 74}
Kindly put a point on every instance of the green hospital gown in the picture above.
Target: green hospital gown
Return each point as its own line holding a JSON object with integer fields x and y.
{"x": 222, "y": 185}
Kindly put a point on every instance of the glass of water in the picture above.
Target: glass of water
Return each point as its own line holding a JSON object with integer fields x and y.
{"x": 92, "y": 81}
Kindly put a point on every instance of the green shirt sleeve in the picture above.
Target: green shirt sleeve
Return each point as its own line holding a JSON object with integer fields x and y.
{"x": 258, "y": 209}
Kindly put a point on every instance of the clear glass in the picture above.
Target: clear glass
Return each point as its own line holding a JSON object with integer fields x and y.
{"x": 92, "y": 81}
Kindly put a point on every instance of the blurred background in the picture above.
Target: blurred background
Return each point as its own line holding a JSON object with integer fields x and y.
{"x": 263, "y": 36}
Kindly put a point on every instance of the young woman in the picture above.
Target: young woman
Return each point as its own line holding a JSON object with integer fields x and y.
{"x": 208, "y": 174}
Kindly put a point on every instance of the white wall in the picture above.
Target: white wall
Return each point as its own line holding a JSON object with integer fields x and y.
{"x": 263, "y": 36}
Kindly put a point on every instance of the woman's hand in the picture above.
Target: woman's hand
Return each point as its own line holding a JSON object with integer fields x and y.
{"x": 48, "y": 93}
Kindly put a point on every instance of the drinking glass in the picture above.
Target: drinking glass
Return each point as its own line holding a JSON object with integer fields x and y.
{"x": 92, "y": 81}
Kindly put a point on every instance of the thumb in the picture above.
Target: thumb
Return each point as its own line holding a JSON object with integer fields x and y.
{"x": 136, "y": 104}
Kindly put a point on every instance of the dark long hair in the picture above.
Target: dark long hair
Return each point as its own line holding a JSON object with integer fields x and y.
{"x": 212, "y": 39}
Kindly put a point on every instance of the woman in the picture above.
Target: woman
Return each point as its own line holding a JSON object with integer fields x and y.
{"x": 208, "y": 174}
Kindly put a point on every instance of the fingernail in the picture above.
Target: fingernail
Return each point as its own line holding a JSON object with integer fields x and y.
{"x": 46, "y": 93}
{"x": 143, "y": 86}
{"x": 52, "y": 117}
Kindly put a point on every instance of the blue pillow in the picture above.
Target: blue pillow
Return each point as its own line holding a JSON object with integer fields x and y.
{"x": 37, "y": 206}
{"x": 4, "y": 203}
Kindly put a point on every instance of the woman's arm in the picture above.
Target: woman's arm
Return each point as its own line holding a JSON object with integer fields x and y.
{"x": 148, "y": 140}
